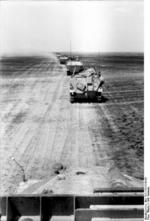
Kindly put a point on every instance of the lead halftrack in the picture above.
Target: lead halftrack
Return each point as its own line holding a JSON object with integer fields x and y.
{"x": 86, "y": 85}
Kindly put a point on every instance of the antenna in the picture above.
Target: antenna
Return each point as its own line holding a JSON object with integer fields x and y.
{"x": 74, "y": 70}
{"x": 70, "y": 49}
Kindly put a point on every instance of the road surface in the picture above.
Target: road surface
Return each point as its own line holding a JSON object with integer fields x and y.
{"x": 41, "y": 129}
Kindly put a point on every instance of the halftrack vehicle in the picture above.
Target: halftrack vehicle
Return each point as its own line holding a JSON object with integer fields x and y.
{"x": 87, "y": 85}
{"x": 63, "y": 59}
{"x": 74, "y": 67}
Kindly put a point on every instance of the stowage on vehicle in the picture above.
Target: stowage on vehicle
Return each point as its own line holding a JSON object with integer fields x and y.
{"x": 87, "y": 85}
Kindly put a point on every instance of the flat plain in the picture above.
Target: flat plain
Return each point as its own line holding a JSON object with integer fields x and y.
{"x": 91, "y": 145}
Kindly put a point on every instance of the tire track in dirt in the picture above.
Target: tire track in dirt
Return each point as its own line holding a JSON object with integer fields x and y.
{"x": 133, "y": 133}
{"x": 73, "y": 145}
{"x": 41, "y": 145}
{"x": 125, "y": 91}
{"x": 99, "y": 143}
{"x": 35, "y": 144}
{"x": 136, "y": 110}
{"x": 106, "y": 165}
{"x": 118, "y": 138}
{"x": 86, "y": 155}
{"x": 20, "y": 100}
{"x": 12, "y": 148}
{"x": 123, "y": 103}
{"x": 72, "y": 134}
{"x": 64, "y": 137}
{"x": 27, "y": 148}
{"x": 75, "y": 155}
{"x": 107, "y": 115}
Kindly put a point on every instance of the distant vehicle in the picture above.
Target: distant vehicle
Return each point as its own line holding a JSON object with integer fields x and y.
{"x": 63, "y": 59}
{"x": 87, "y": 85}
{"x": 73, "y": 58}
{"x": 58, "y": 55}
{"x": 74, "y": 67}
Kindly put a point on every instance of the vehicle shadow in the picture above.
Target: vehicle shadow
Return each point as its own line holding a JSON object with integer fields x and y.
{"x": 84, "y": 100}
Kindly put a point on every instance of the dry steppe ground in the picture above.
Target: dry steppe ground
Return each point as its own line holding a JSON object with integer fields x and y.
{"x": 91, "y": 145}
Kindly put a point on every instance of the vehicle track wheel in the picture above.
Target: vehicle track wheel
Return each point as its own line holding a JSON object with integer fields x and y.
{"x": 71, "y": 99}
{"x": 99, "y": 99}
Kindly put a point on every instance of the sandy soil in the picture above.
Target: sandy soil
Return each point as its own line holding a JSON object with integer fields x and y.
{"x": 88, "y": 142}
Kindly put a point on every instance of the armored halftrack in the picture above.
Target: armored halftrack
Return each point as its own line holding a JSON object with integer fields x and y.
{"x": 63, "y": 59}
{"x": 87, "y": 84}
{"x": 74, "y": 67}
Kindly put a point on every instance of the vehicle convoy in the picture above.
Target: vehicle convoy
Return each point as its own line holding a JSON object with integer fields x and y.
{"x": 74, "y": 67}
{"x": 87, "y": 85}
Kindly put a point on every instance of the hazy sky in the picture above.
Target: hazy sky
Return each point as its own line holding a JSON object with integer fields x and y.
{"x": 44, "y": 26}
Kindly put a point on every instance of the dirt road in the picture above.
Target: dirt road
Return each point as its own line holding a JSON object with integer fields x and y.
{"x": 41, "y": 129}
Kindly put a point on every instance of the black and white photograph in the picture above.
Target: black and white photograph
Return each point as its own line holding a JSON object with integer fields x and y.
{"x": 72, "y": 110}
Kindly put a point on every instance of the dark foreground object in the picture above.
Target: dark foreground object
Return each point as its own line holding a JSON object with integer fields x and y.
{"x": 87, "y": 98}
{"x": 114, "y": 205}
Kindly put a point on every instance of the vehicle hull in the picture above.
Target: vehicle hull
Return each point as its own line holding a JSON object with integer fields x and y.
{"x": 87, "y": 96}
